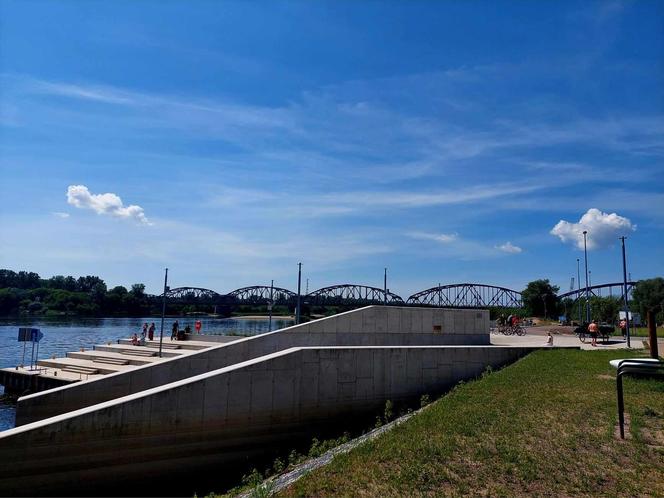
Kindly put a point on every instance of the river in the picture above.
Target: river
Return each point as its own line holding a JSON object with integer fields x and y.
{"x": 62, "y": 336}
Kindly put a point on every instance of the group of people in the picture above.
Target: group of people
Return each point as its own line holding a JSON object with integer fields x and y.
{"x": 146, "y": 333}
{"x": 177, "y": 334}
{"x": 510, "y": 321}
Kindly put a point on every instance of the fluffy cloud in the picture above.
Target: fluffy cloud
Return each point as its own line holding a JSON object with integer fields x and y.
{"x": 603, "y": 229}
{"x": 509, "y": 248}
{"x": 79, "y": 196}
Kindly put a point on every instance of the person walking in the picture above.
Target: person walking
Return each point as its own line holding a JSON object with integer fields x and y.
{"x": 198, "y": 325}
{"x": 175, "y": 330}
{"x": 145, "y": 329}
{"x": 151, "y": 331}
{"x": 593, "y": 329}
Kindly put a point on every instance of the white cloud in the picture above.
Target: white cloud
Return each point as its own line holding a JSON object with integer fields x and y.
{"x": 443, "y": 238}
{"x": 603, "y": 229}
{"x": 509, "y": 248}
{"x": 59, "y": 214}
{"x": 79, "y": 196}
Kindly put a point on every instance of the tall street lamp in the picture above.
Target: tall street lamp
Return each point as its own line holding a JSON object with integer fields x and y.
{"x": 585, "y": 253}
{"x": 622, "y": 239}
{"x": 578, "y": 287}
{"x": 163, "y": 312}
{"x": 299, "y": 288}
{"x": 385, "y": 288}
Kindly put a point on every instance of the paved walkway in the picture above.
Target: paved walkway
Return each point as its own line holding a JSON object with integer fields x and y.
{"x": 536, "y": 336}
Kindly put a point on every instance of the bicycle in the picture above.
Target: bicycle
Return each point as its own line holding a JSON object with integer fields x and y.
{"x": 519, "y": 330}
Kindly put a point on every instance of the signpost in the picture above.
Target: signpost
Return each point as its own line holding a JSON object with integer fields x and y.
{"x": 28, "y": 334}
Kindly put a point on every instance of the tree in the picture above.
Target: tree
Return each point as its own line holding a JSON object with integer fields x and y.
{"x": 138, "y": 291}
{"x": 605, "y": 309}
{"x": 88, "y": 283}
{"x": 540, "y": 298}
{"x": 649, "y": 295}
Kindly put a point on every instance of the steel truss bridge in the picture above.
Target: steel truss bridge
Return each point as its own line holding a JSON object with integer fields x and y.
{"x": 362, "y": 295}
{"x": 466, "y": 295}
{"x": 603, "y": 290}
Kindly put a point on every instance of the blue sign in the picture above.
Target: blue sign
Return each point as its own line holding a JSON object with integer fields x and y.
{"x": 37, "y": 335}
{"x": 27, "y": 334}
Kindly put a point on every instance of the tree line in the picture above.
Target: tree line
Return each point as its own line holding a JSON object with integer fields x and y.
{"x": 539, "y": 299}
{"x": 26, "y": 293}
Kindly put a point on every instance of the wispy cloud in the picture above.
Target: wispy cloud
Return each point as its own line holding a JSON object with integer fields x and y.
{"x": 509, "y": 248}
{"x": 443, "y": 238}
{"x": 59, "y": 214}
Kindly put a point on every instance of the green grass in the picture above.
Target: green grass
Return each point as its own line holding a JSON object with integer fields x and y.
{"x": 641, "y": 331}
{"x": 543, "y": 426}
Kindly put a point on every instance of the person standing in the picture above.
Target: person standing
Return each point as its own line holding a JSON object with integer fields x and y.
{"x": 145, "y": 329}
{"x": 198, "y": 325}
{"x": 593, "y": 329}
{"x": 623, "y": 327}
{"x": 175, "y": 330}
{"x": 151, "y": 331}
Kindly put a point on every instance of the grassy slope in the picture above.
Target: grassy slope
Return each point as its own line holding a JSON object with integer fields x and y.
{"x": 543, "y": 426}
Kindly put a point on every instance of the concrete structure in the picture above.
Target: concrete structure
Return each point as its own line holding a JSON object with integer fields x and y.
{"x": 253, "y": 394}
{"x": 373, "y": 325}
{"x": 85, "y": 365}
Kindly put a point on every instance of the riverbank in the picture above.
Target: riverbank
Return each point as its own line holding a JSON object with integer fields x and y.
{"x": 543, "y": 426}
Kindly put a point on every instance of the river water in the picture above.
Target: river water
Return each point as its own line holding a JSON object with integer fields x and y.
{"x": 62, "y": 336}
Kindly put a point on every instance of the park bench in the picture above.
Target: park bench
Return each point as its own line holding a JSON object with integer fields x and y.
{"x": 634, "y": 367}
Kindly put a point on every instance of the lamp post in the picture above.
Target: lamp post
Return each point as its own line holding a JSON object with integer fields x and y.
{"x": 622, "y": 240}
{"x": 299, "y": 288}
{"x": 585, "y": 253}
{"x": 163, "y": 312}
{"x": 578, "y": 287}
{"x": 385, "y": 288}
{"x": 270, "y": 305}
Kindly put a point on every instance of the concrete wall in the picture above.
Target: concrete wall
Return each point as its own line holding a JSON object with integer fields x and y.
{"x": 226, "y": 415}
{"x": 373, "y": 325}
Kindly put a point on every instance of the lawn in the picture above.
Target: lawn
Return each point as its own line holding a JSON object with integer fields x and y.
{"x": 641, "y": 331}
{"x": 542, "y": 426}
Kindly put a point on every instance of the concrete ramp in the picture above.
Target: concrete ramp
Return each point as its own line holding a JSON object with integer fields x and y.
{"x": 373, "y": 325}
{"x": 224, "y": 416}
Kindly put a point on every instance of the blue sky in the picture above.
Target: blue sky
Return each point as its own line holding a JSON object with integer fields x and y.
{"x": 446, "y": 141}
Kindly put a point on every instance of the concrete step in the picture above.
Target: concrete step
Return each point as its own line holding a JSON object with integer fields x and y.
{"x": 92, "y": 355}
{"x": 138, "y": 352}
{"x": 110, "y": 361}
{"x": 80, "y": 370}
{"x": 63, "y": 363}
{"x": 168, "y": 344}
{"x": 121, "y": 349}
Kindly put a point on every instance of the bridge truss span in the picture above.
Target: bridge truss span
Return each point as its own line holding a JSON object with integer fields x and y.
{"x": 467, "y": 296}
{"x": 603, "y": 290}
{"x": 263, "y": 294}
{"x": 192, "y": 294}
{"x": 351, "y": 294}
